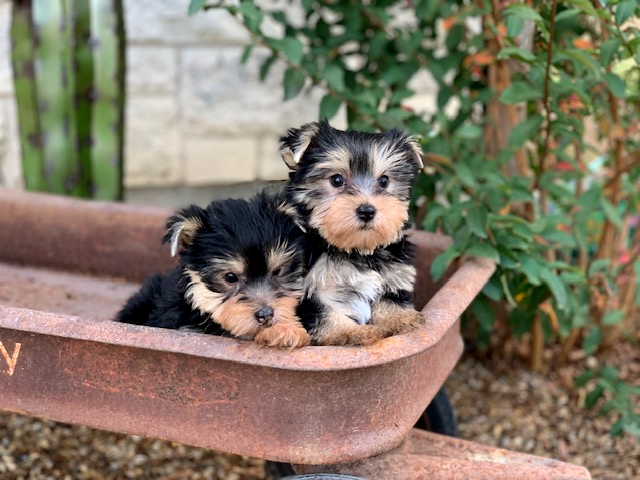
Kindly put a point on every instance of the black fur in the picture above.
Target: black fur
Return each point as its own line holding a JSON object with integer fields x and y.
{"x": 311, "y": 151}
{"x": 226, "y": 230}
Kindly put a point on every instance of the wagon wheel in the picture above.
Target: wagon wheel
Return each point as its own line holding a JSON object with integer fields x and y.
{"x": 438, "y": 417}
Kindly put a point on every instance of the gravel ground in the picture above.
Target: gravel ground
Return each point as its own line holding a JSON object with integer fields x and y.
{"x": 514, "y": 409}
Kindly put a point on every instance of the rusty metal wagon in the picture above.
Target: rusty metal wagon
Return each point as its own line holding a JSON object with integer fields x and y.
{"x": 66, "y": 266}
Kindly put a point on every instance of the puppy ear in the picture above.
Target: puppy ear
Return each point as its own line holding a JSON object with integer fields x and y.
{"x": 183, "y": 227}
{"x": 296, "y": 142}
{"x": 416, "y": 149}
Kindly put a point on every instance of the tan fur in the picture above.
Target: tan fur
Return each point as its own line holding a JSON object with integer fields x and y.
{"x": 238, "y": 318}
{"x": 226, "y": 265}
{"x": 183, "y": 233}
{"x": 340, "y": 226}
{"x": 338, "y": 329}
{"x": 283, "y": 330}
{"x": 292, "y": 157}
{"x": 279, "y": 256}
{"x": 283, "y": 336}
{"x": 393, "y": 319}
{"x": 200, "y": 297}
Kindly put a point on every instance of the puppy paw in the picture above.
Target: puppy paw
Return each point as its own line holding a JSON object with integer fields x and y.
{"x": 395, "y": 320}
{"x": 355, "y": 335}
{"x": 283, "y": 336}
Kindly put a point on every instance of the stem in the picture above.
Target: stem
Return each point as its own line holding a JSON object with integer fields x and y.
{"x": 537, "y": 345}
{"x": 546, "y": 101}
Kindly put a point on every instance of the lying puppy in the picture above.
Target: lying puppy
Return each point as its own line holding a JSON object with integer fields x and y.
{"x": 240, "y": 273}
{"x": 351, "y": 191}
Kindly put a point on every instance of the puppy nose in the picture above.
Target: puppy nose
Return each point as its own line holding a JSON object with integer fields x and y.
{"x": 264, "y": 314}
{"x": 366, "y": 212}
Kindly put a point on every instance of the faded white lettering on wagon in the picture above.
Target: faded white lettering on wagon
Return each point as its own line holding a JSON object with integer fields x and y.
{"x": 10, "y": 359}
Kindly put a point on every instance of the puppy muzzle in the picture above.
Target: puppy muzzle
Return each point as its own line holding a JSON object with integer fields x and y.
{"x": 264, "y": 315}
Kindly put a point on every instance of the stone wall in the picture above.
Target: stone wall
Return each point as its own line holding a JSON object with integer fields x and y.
{"x": 195, "y": 116}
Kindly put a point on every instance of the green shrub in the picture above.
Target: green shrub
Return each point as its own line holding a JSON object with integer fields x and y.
{"x": 512, "y": 172}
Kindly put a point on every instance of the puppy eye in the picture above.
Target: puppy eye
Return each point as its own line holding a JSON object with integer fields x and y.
{"x": 337, "y": 181}
{"x": 276, "y": 271}
{"x": 231, "y": 278}
{"x": 383, "y": 181}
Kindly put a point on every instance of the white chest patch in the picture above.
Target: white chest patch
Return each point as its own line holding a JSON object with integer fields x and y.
{"x": 340, "y": 286}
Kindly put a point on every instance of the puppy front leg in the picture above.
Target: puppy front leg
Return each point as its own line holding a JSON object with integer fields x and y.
{"x": 338, "y": 329}
{"x": 394, "y": 318}
{"x": 284, "y": 335}
{"x": 286, "y": 331}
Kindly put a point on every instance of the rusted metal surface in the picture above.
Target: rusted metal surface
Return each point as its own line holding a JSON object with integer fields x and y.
{"x": 426, "y": 455}
{"x": 316, "y": 405}
{"x": 98, "y": 238}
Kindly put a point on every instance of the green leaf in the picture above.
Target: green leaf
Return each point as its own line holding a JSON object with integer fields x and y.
{"x": 334, "y": 76}
{"x": 514, "y": 26}
{"x": 266, "y": 66}
{"x": 195, "y": 6}
{"x": 246, "y": 53}
{"x": 329, "y": 106}
{"x": 589, "y": 200}
{"x": 293, "y": 83}
{"x": 624, "y": 10}
{"x": 556, "y": 286}
{"x": 519, "y": 92}
{"x": 612, "y": 213}
{"x": 292, "y": 48}
{"x": 618, "y": 427}
{"x": 613, "y": 317}
{"x": 477, "y": 220}
{"x": 569, "y": 13}
{"x": 610, "y": 373}
{"x": 524, "y": 131}
{"x": 483, "y": 250}
{"x": 468, "y": 131}
{"x": 492, "y": 289}
{"x": 441, "y": 263}
{"x": 598, "y": 266}
{"x": 592, "y": 340}
{"x": 517, "y": 52}
{"x": 464, "y": 174}
{"x": 251, "y": 15}
{"x": 524, "y": 12}
{"x": 585, "y": 6}
{"x": 615, "y": 83}
{"x": 582, "y": 379}
{"x": 484, "y": 313}
{"x": 608, "y": 49}
{"x": 593, "y": 396}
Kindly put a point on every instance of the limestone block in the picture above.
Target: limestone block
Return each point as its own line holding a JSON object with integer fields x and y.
{"x": 423, "y": 82}
{"x": 152, "y": 142}
{"x": 168, "y": 22}
{"x": 220, "y": 95}
{"x": 6, "y": 75}
{"x": 220, "y": 160}
{"x": 10, "y": 164}
{"x": 270, "y": 163}
{"x": 151, "y": 70}
{"x": 422, "y": 104}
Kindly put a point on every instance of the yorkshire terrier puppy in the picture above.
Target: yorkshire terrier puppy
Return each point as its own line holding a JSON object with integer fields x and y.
{"x": 240, "y": 273}
{"x": 351, "y": 191}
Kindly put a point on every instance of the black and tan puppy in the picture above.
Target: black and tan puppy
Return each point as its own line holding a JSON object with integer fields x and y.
{"x": 352, "y": 191}
{"x": 240, "y": 274}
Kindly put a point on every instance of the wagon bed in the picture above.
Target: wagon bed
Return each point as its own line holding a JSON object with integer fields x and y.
{"x": 67, "y": 266}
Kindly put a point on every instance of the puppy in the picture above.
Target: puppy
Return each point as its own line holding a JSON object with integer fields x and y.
{"x": 351, "y": 191}
{"x": 240, "y": 273}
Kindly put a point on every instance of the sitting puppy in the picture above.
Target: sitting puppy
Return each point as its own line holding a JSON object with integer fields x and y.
{"x": 241, "y": 271}
{"x": 351, "y": 190}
